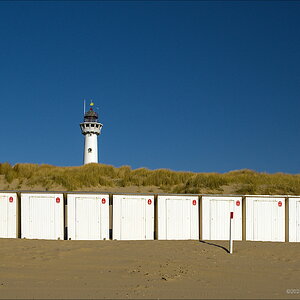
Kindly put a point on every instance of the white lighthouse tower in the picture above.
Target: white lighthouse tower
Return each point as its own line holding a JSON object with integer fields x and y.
{"x": 90, "y": 128}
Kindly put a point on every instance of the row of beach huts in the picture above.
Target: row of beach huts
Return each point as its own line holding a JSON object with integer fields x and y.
{"x": 103, "y": 216}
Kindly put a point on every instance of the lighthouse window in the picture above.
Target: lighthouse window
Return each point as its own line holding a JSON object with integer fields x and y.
{"x": 97, "y": 126}
{"x": 87, "y": 125}
{"x": 92, "y": 125}
{"x": 89, "y": 150}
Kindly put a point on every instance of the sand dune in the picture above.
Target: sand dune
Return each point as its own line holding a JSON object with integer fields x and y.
{"x": 147, "y": 269}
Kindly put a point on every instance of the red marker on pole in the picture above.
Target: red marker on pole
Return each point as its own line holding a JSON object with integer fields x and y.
{"x": 230, "y": 233}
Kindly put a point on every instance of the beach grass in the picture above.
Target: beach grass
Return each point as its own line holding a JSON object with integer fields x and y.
{"x": 100, "y": 175}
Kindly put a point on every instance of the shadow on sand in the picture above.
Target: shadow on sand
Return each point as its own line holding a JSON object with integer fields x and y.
{"x": 212, "y": 244}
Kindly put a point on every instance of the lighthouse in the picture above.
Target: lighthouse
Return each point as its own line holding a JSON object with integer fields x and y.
{"x": 90, "y": 128}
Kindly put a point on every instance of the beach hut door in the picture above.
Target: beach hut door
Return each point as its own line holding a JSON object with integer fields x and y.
{"x": 88, "y": 225}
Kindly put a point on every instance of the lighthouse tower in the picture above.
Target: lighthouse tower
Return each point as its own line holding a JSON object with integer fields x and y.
{"x": 90, "y": 128}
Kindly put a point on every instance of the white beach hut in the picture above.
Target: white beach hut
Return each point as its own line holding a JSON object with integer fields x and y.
{"x": 42, "y": 216}
{"x": 216, "y": 217}
{"x": 265, "y": 218}
{"x": 294, "y": 219}
{"x": 178, "y": 217}
{"x": 8, "y": 215}
{"x": 133, "y": 217}
{"x": 88, "y": 216}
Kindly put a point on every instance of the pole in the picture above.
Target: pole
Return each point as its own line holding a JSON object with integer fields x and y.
{"x": 83, "y": 106}
{"x": 230, "y": 233}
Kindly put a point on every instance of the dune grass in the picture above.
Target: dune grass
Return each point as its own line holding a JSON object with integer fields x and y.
{"x": 100, "y": 175}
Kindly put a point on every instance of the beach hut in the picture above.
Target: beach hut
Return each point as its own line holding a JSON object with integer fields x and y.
{"x": 8, "y": 215}
{"x": 42, "y": 216}
{"x": 178, "y": 217}
{"x": 294, "y": 219}
{"x": 133, "y": 217}
{"x": 265, "y": 218}
{"x": 216, "y": 217}
{"x": 88, "y": 216}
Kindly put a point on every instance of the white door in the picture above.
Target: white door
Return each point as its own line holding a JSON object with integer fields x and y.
{"x": 265, "y": 221}
{"x": 87, "y": 216}
{"x": 298, "y": 221}
{"x": 220, "y": 219}
{"x": 42, "y": 217}
{"x": 133, "y": 219}
{"x": 3, "y": 216}
{"x": 178, "y": 219}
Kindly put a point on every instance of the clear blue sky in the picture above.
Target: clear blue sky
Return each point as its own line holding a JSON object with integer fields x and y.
{"x": 192, "y": 85}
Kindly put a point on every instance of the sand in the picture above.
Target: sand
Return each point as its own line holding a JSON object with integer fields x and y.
{"x": 148, "y": 269}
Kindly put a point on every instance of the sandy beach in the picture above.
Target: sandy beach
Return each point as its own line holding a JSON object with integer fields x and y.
{"x": 148, "y": 269}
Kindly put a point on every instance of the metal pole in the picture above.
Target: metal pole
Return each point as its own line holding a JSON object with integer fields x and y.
{"x": 230, "y": 234}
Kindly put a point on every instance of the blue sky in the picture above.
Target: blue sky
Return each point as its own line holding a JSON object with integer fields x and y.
{"x": 204, "y": 86}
